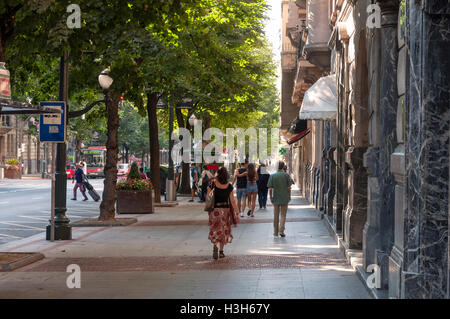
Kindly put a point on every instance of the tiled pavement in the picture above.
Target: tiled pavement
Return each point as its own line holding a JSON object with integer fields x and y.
{"x": 167, "y": 255}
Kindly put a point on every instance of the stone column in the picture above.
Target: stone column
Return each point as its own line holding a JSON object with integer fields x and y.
{"x": 383, "y": 98}
{"x": 338, "y": 202}
{"x": 355, "y": 214}
{"x": 427, "y": 121}
{"x": 398, "y": 168}
{"x": 332, "y": 184}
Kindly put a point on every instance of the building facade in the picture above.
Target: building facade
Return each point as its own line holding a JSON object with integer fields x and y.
{"x": 17, "y": 141}
{"x": 377, "y": 169}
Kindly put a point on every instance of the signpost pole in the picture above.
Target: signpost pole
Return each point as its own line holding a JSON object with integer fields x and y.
{"x": 52, "y": 225}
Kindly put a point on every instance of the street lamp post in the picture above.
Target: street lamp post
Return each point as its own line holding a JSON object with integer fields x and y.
{"x": 63, "y": 231}
{"x": 192, "y": 122}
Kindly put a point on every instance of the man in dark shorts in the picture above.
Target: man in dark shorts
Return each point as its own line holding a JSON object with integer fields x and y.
{"x": 241, "y": 185}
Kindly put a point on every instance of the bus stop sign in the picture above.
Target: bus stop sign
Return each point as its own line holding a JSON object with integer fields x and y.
{"x": 53, "y": 126}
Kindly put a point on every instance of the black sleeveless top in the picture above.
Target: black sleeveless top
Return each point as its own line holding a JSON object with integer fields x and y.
{"x": 221, "y": 196}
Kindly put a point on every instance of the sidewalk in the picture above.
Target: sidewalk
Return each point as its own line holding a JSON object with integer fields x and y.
{"x": 168, "y": 255}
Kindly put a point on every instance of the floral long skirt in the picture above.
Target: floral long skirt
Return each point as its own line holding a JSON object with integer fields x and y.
{"x": 220, "y": 226}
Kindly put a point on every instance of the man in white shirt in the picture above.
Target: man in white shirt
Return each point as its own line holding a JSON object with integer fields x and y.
{"x": 84, "y": 167}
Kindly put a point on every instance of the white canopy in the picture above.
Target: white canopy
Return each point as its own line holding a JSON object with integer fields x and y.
{"x": 320, "y": 100}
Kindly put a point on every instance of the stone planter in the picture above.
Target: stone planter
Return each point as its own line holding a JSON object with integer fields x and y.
{"x": 13, "y": 173}
{"x": 134, "y": 202}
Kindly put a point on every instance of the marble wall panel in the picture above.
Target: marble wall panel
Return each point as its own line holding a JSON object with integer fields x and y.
{"x": 427, "y": 147}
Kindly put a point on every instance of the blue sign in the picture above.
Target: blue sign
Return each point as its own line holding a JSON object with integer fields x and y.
{"x": 52, "y": 127}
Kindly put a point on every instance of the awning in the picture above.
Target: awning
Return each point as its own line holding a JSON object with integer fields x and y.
{"x": 299, "y": 136}
{"x": 320, "y": 100}
{"x": 8, "y": 107}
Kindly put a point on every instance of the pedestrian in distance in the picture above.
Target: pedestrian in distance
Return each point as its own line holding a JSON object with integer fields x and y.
{"x": 79, "y": 177}
{"x": 279, "y": 185}
{"x": 241, "y": 184}
{"x": 224, "y": 213}
{"x": 141, "y": 173}
{"x": 84, "y": 166}
{"x": 204, "y": 182}
{"x": 252, "y": 188}
{"x": 194, "y": 173}
{"x": 264, "y": 176}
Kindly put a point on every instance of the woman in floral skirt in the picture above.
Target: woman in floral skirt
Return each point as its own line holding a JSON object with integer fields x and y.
{"x": 224, "y": 213}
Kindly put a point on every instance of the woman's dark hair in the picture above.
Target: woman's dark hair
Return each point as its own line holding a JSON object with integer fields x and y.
{"x": 205, "y": 167}
{"x": 251, "y": 172}
{"x": 222, "y": 175}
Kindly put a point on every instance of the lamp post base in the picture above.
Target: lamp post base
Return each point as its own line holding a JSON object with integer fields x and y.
{"x": 62, "y": 232}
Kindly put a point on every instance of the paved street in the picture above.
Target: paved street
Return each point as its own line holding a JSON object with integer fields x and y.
{"x": 168, "y": 255}
{"x": 25, "y": 206}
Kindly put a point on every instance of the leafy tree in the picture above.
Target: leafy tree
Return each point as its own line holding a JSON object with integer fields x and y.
{"x": 211, "y": 50}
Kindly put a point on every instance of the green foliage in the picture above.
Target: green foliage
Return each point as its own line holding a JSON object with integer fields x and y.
{"x": 134, "y": 172}
{"x": 211, "y": 50}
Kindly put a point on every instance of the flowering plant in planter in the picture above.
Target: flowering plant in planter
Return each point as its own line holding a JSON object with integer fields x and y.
{"x": 134, "y": 195}
{"x": 134, "y": 184}
{"x": 13, "y": 164}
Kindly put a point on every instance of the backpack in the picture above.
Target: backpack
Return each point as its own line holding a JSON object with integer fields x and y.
{"x": 204, "y": 181}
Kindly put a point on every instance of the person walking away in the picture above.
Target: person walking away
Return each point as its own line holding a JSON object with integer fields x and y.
{"x": 204, "y": 182}
{"x": 241, "y": 185}
{"x": 252, "y": 188}
{"x": 141, "y": 173}
{"x": 262, "y": 185}
{"x": 220, "y": 218}
{"x": 194, "y": 180}
{"x": 79, "y": 177}
{"x": 279, "y": 185}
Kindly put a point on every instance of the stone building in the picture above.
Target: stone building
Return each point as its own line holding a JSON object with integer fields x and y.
{"x": 15, "y": 142}
{"x": 377, "y": 168}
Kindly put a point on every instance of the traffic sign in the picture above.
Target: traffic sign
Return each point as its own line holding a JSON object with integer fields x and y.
{"x": 53, "y": 126}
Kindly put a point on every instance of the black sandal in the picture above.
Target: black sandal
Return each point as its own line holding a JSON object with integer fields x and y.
{"x": 221, "y": 254}
{"x": 215, "y": 252}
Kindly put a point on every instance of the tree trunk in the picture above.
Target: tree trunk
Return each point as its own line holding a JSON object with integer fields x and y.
{"x": 152, "y": 100}
{"x": 185, "y": 187}
{"x": 78, "y": 150}
{"x": 107, "y": 209}
{"x": 206, "y": 122}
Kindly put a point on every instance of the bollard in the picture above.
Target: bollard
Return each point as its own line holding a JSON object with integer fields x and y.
{"x": 171, "y": 191}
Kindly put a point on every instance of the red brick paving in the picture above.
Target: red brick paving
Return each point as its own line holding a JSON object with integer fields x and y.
{"x": 245, "y": 220}
{"x": 184, "y": 263}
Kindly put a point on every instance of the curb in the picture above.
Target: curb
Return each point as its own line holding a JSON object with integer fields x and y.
{"x": 93, "y": 222}
{"x": 26, "y": 259}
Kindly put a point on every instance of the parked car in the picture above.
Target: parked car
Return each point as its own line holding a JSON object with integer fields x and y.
{"x": 70, "y": 170}
{"x": 123, "y": 169}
